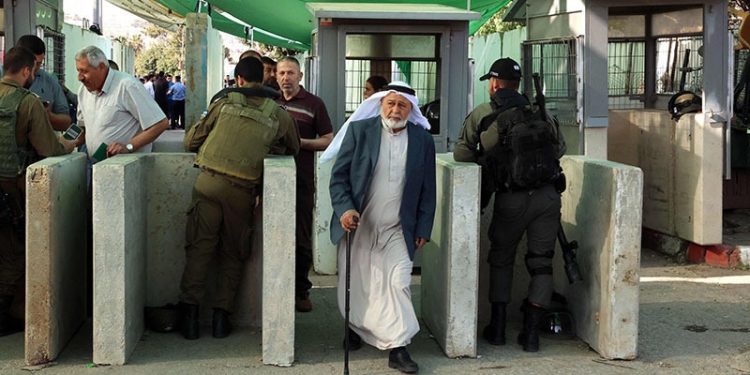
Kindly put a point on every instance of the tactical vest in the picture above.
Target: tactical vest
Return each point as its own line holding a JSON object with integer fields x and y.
{"x": 240, "y": 139}
{"x": 12, "y": 158}
{"x": 528, "y": 152}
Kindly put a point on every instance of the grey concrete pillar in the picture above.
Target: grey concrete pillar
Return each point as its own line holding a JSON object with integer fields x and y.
{"x": 55, "y": 255}
{"x": 278, "y": 260}
{"x": 324, "y": 251}
{"x": 196, "y": 65}
{"x": 119, "y": 226}
{"x": 450, "y": 261}
{"x": 595, "y": 91}
{"x": 20, "y": 19}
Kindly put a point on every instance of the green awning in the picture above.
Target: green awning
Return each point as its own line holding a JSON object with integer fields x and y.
{"x": 288, "y": 23}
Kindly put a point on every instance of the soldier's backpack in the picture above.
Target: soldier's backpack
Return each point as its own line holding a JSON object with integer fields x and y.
{"x": 526, "y": 149}
{"x": 529, "y": 149}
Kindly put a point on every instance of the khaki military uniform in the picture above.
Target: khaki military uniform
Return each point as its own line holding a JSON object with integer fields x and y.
{"x": 34, "y": 134}
{"x": 231, "y": 141}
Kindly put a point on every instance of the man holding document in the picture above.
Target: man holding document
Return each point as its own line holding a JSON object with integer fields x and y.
{"x": 118, "y": 116}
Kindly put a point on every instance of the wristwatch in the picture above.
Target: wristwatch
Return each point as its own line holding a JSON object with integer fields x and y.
{"x": 130, "y": 147}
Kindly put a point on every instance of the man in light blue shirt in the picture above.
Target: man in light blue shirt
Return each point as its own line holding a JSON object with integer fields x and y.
{"x": 178, "y": 97}
{"x": 46, "y": 86}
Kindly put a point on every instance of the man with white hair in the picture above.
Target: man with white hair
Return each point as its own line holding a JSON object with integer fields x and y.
{"x": 113, "y": 107}
{"x": 383, "y": 185}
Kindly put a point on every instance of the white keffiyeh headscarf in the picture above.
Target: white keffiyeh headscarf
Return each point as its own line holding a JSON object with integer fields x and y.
{"x": 370, "y": 107}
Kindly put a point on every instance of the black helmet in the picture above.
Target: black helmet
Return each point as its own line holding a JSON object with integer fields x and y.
{"x": 162, "y": 318}
{"x": 558, "y": 322}
{"x": 684, "y": 102}
{"x": 431, "y": 111}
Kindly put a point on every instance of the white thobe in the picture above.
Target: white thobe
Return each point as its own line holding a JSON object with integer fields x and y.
{"x": 381, "y": 311}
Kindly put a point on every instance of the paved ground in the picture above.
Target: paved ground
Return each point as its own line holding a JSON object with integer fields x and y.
{"x": 694, "y": 320}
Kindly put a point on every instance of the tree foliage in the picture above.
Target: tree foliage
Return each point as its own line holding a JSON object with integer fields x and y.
{"x": 164, "y": 53}
{"x": 496, "y": 25}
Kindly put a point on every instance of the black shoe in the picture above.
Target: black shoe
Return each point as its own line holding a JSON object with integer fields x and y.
{"x": 400, "y": 360}
{"x": 532, "y": 318}
{"x": 10, "y": 325}
{"x": 494, "y": 333}
{"x": 302, "y": 303}
{"x": 221, "y": 326}
{"x": 189, "y": 324}
{"x": 355, "y": 342}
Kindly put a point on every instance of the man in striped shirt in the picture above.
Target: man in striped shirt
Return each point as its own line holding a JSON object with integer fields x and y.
{"x": 316, "y": 132}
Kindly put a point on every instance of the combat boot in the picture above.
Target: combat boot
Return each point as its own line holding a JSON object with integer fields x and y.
{"x": 8, "y": 324}
{"x": 189, "y": 324}
{"x": 221, "y": 325}
{"x": 494, "y": 333}
{"x": 532, "y": 318}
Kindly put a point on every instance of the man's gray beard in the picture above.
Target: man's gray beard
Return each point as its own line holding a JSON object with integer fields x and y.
{"x": 394, "y": 124}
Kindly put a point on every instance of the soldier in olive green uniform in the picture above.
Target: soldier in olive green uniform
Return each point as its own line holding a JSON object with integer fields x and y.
{"x": 25, "y": 136}
{"x": 232, "y": 140}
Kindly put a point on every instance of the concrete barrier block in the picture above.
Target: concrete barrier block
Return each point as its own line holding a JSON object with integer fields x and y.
{"x": 171, "y": 141}
{"x": 602, "y": 209}
{"x": 324, "y": 251}
{"x": 120, "y": 235}
{"x": 450, "y": 262}
{"x": 278, "y": 260}
{"x": 55, "y": 255}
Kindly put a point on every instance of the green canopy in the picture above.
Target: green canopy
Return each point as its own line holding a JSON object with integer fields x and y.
{"x": 288, "y": 23}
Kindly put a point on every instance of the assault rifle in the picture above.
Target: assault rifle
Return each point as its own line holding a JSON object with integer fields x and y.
{"x": 568, "y": 247}
{"x": 569, "y": 256}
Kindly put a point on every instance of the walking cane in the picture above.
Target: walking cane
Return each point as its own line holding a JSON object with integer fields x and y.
{"x": 346, "y": 303}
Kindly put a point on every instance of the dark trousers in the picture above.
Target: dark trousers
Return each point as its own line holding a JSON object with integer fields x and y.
{"x": 537, "y": 213}
{"x": 12, "y": 251}
{"x": 305, "y": 204}
{"x": 170, "y": 108}
{"x": 220, "y": 223}
{"x": 178, "y": 114}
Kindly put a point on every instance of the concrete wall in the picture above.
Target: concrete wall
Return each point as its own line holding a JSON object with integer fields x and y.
{"x": 682, "y": 166}
{"x": 450, "y": 261}
{"x": 140, "y": 207}
{"x": 55, "y": 255}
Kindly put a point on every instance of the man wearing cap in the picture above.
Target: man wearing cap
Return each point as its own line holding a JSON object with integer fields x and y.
{"x": 383, "y": 185}
{"x": 516, "y": 210}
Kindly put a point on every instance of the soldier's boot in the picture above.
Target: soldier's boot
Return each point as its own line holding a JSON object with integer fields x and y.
{"x": 8, "y": 324}
{"x": 221, "y": 325}
{"x": 189, "y": 324}
{"x": 532, "y": 318}
{"x": 494, "y": 333}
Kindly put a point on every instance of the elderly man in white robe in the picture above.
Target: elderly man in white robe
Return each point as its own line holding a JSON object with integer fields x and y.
{"x": 384, "y": 176}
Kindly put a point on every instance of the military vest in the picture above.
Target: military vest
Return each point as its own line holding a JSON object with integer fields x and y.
{"x": 13, "y": 159}
{"x": 240, "y": 139}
